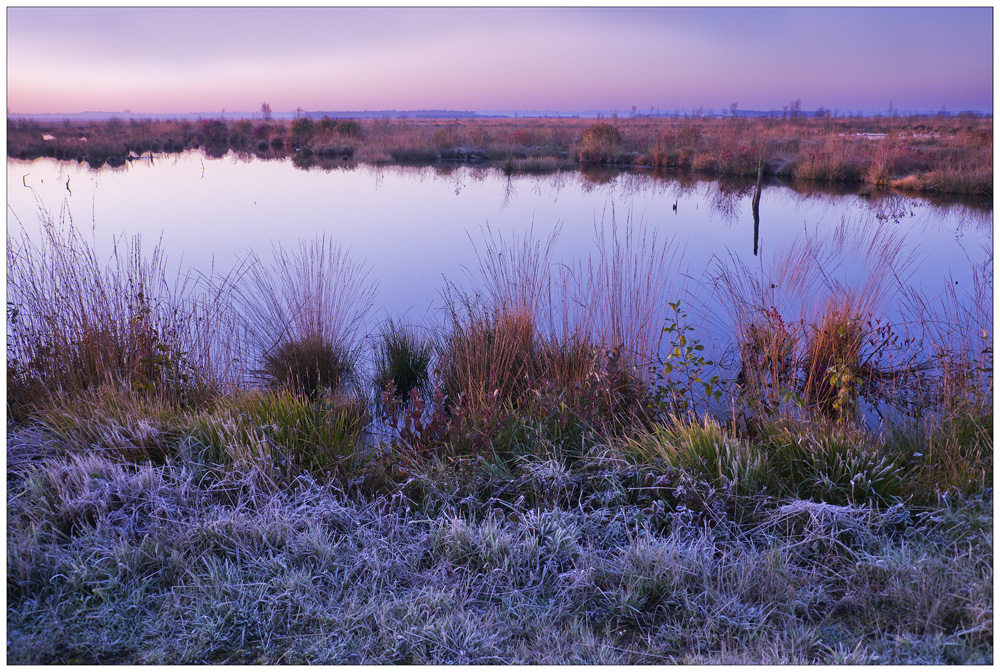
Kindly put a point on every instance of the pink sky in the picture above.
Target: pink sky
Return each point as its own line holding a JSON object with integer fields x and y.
{"x": 177, "y": 60}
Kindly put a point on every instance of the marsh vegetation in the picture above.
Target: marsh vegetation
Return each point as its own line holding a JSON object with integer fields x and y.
{"x": 565, "y": 467}
{"x": 940, "y": 154}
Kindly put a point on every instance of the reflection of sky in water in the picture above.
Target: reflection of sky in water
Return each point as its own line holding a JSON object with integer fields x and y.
{"x": 415, "y": 225}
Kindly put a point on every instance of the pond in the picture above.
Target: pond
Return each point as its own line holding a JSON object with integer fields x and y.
{"x": 415, "y": 226}
{"x": 419, "y": 229}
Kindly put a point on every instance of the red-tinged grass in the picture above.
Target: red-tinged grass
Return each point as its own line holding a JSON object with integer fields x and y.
{"x": 489, "y": 356}
{"x": 532, "y": 319}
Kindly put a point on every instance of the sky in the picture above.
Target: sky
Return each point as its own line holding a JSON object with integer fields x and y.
{"x": 563, "y": 59}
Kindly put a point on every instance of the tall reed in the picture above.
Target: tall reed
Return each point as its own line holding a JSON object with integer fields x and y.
{"x": 621, "y": 293}
{"x": 531, "y": 320}
{"x": 76, "y": 320}
{"x": 955, "y": 328}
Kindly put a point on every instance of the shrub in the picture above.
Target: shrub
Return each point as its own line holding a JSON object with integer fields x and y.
{"x": 302, "y": 130}
{"x": 350, "y": 128}
{"x": 681, "y": 380}
{"x": 214, "y": 132}
{"x": 326, "y": 124}
{"x": 599, "y": 144}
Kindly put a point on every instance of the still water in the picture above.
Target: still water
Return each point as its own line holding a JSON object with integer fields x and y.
{"x": 417, "y": 226}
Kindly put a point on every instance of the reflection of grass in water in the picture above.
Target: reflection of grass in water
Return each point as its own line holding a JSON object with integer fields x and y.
{"x": 810, "y": 325}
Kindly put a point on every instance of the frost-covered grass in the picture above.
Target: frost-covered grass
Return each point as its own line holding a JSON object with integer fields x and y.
{"x": 188, "y": 563}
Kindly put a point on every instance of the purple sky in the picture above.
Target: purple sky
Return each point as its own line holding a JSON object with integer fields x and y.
{"x": 164, "y": 60}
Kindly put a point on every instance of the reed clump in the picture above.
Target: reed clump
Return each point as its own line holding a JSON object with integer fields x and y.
{"x": 489, "y": 355}
{"x": 768, "y": 346}
{"x": 77, "y": 321}
{"x": 402, "y": 360}
{"x": 834, "y": 369}
{"x": 302, "y": 318}
{"x": 308, "y": 365}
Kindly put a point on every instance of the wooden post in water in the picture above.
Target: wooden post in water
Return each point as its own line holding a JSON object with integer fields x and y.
{"x": 756, "y": 206}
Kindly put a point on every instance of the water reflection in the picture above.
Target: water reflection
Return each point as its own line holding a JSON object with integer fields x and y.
{"x": 755, "y": 206}
{"x": 727, "y": 193}
{"x": 412, "y": 223}
{"x": 508, "y": 191}
{"x": 727, "y": 199}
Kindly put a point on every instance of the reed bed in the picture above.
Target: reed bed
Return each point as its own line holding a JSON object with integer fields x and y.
{"x": 821, "y": 321}
{"x": 76, "y": 321}
{"x": 929, "y": 154}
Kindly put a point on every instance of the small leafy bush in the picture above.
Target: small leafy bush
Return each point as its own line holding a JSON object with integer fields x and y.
{"x": 682, "y": 382}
